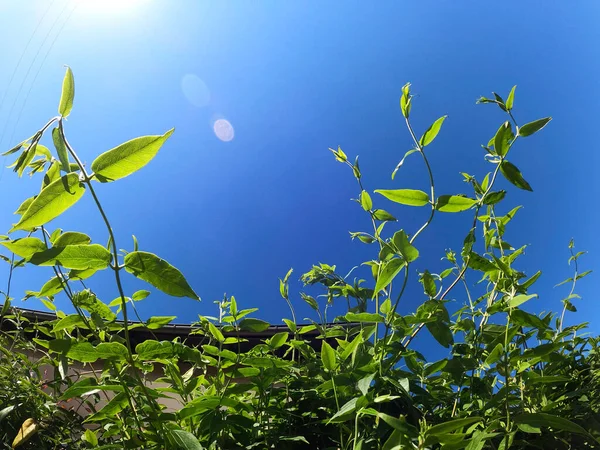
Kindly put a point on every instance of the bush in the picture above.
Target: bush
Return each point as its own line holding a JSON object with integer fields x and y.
{"x": 511, "y": 379}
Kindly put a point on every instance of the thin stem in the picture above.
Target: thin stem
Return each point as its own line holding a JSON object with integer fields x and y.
{"x": 562, "y": 316}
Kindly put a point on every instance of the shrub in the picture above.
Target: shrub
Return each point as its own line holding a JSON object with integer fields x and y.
{"x": 511, "y": 379}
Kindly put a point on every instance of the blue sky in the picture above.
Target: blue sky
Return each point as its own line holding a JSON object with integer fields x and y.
{"x": 292, "y": 79}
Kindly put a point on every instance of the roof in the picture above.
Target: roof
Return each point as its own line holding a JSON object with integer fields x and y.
{"x": 184, "y": 331}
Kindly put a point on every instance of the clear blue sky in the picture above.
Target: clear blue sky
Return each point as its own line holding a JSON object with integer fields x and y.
{"x": 294, "y": 78}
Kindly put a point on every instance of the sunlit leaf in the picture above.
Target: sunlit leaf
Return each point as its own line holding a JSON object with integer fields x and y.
{"x": 80, "y": 257}
{"x": 454, "y": 203}
{"x": 67, "y": 95}
{"x": 431, "y": 132}
{"x": 410, "y": 197}
{"x": 128, "y": 157}
{"x": 159, "y": 273}
{"x": 55, "y": 199}
{"x": 25, "y": 247}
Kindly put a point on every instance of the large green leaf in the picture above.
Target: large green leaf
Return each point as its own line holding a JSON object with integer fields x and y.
{"x": 72, "y": 238}
{"x": 54, "y": 199}
{"x": 67, "y": 95}
{"x": 25, "y": 247}
{"x": 159, "y": 273}
{"x": 441, "y": 332}
{"x": 388, "y": 273}
{"x": 364, "y": 317}
{"x": 61, "y": 150}
{"x": 513, "y": 174}
{"x": 407, "y": 250}
{"x": 452, "y": 425}
{"x": 454, "y": 203}
{"x": 548, "y": 420}
{"x": 533, "y": 127}
{"x": 503, "y": 138}
{"x": 70, "y": 321}
{"x": 253, "y": 325}
{"x": 185, "y": 440}
{"x": 80, "y": 257}
{"x": 410, "y": 197}
{"x": 86, "y": 352}
{"x": 128, "y": 157}
{"x": 431, "y": 132}
{"x": 156, "y": 322}
{"x": 328, "y": 357}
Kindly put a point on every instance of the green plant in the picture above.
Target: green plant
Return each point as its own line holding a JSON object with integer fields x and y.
{"x": 512, "y": 379}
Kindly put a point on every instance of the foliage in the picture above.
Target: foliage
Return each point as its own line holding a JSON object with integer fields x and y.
{"x": 507, "y": 379}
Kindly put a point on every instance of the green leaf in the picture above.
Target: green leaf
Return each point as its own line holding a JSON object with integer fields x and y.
{"x": 151, "y": 349}
{"x": 364, "y": 383}
{"x": 88, "y": 301}
{"x": 388, "y": 273}
{"x": 495, "y": 354}
{"x": 364, "y": 317}
{"x": 328, "y": 357}
{"x": 87, "y": 353}
{"x": 54, "y": 199}
{"x": 156, "y": 322}
{"x": 278, "y": 339}
{"x": 67, "y": 95}
{"x": 534, "y": 127}
{"x": 431, "y": 132}
{"x": 52, "y": 174}
{"x": 454, "y": 203}
{"x": 503, "y": 138}
{"x": 346, "y": 409}
{"x": 25, "y": 247}
{"x": 61, "y": 150}
{"x": 478, "y": 262}
{"x": 435, "y": 367}
{"x": 80, "y": 257}
{"x": 24, "y": 206}
{"x": 140, "y": 295}
{"x": 452, "y": 425}
{"x": 512, "y": 174}
{"x": 494, "y": 197}
{"x": 548, "y": 420}
{"x": 519, "y": 300}
{"x": 511, "y": 98}
{"x": 380, "y": 214}
{"x": 185, "y": 440}
{"x": 128, "y": 157}
{"x": 216, "y": 333}
{"x": 159, "y": 273}
{"x": 86, "y": 385}
{"x": 72, "y": 238}
{"x": 407, "y": 250}
{"x": 91, "y": 438}
{"x": 410, "y": 197}
{"x": 365, "y": 201}
{"x": 253, "y": 325}
{"x": 441, "y": 332}
{"x": 73, "y": 320}
{"x": 428, "y": 284}
{"x": 405, "y": 100}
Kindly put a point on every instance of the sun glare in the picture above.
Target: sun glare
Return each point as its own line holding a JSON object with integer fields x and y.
{"x": 109, "y": 6}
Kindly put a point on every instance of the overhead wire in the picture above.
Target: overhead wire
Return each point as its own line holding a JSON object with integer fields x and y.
{"x": 31, "y": 65}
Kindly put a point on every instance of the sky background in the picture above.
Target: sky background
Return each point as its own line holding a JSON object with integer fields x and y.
{"x": 292, "y": 79}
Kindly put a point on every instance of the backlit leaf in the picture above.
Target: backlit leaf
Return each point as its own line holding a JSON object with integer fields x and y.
{"x": 128, "y": 157}
{"x": 25, "y": 247}
{"x": 454, "y": 203}
{"x": 328, "y": 356}
{"x": 54, "y": 199}
{"x": 72, "y": 238}
{"x": 80, "y": 257}
{"x": 388, "y": 273}
{"x": 410, "y": 197}
{"x": 159, "y": 273}
{"x": 67, "y": 95}
{"x": 432, "y": 132}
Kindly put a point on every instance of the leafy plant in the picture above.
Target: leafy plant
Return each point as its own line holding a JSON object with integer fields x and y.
{"x": 508, "y": 379}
